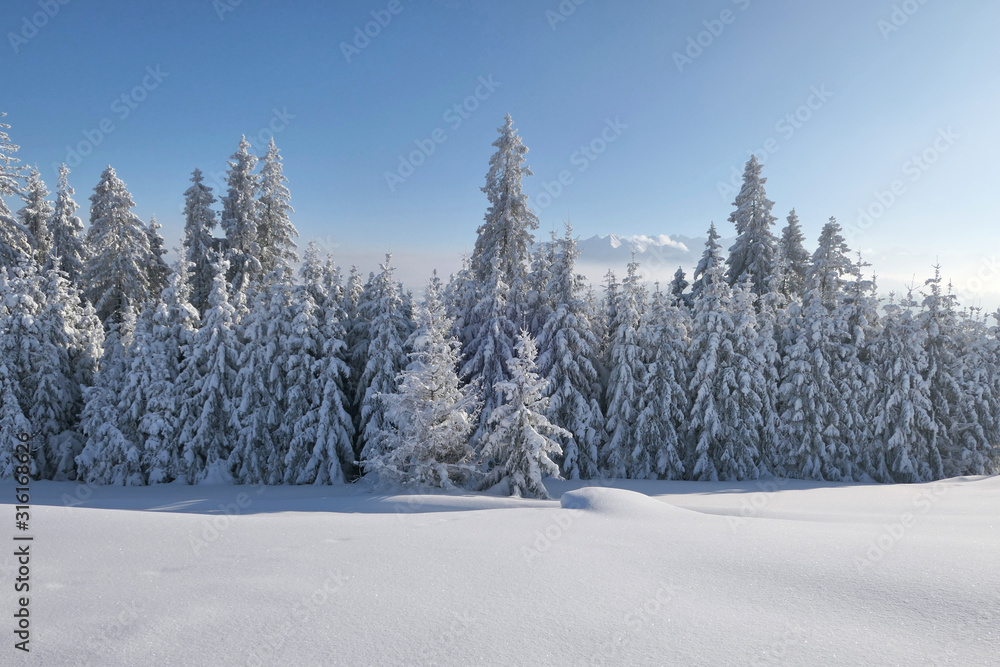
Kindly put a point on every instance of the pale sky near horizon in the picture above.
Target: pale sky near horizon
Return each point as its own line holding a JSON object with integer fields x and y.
{"x": 645, "y": 110}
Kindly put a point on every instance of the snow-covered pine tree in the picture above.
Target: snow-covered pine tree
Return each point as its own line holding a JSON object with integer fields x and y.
{"x": 275, "y": 232}
{"x": 199, "y": 222}
{"x": 505, "y": 234}
{"x": 22, "y": 346}
{"x": 753, "y": 252}
{"x": 678, "y": 284}
{"x": 491, "y": 346}
{"x": 159, "y": 270}
{"x": 35, "y": 214}
{"x": 300, "y": 363}
{"x": 258, "y": 452}
{"x": 520, "y": 445}
{"x": 660, "y": 448}
{"x": 12, "y": 421}
{"x": 810, "y": 436}
{"x": 57, "y": 401}
{"x": 569, "y": 360}
{"x": 431, "y": 416}
{"x": 711, "y": 259}
{"x": 111, "y": 454}
{"x": 208, "y": 379}
{"x": 727, "y": 384}
{"x": 117, "y": 273}
{"x": 538, "y": 301}
{"x": 627, "y": 381}
{"x": 329, "y": 430}
{"x": 959, "y": 437}
{"x": 980, "y": 440}
{"x": 904, "y": 431}
{"x": 831, "y": 265}
{"x": 65, "y": 229}
{"x": 239, "y": 218}
{"x": 15, "y": 244}
{"x": 794, "y": 256}
{"x": 388, "y": 330}
{"x": 173, "y": 325}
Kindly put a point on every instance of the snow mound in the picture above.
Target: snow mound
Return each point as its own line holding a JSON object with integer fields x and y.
{"x": 617, "y": 502}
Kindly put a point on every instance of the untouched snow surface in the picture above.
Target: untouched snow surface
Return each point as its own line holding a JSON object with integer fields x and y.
{"x": 776, "y": 572}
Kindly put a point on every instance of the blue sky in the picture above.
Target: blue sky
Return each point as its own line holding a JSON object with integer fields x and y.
{"x": 879, "y": 95}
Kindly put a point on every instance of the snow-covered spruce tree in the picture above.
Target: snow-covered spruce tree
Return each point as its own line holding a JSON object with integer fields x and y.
{"x": 727, "y": 384}
{"x": 22, "y": 346}
{"x": 753, "y": 252}
{"x": 66, "y": 229}
{"x": 505, "y": 234}
{"x": 35, "y": 214}
{"x": 980, "y": 440}
{"x": 569, "y": 360}
{"x": 111, "y": 454}
{"x": 491, "y": 346}
{"x": 117, "y": 273}
{"x": 257, "y": 455}
{"x": 461, "y": 296}
{"x": 857, "y": 324}
{"x": 57, "y": 401}
{"x": 960, "y": 437}
{"x": 275, "y": 233}
{"x": 677, "y": 286}
{"x": 240, "y": 214}
{"x": 904, "y": 431}
{"x": 794, "y": 256}
{"x": 627, "y": 382}
{"x": 199, "y": 222}
{"x": 385, "y": 356}
{"x": 831, "y": 265}
{"x": 300, "y": 364}
{"x": 660, "y": 448}
{"x": 520, "y": 445}
{"x": 159, "y": 270}
{"x": 15, "y": 244}
{"x": 538, "y": 301}
{"x": 431, "y": 415}
{"x": 328, "y": 430}
{"x": 810, "y": 437}
{"x": 172, "y": 327}
{"x": 709, "y": 265}
{"x": 12, "y": 421}
{"x": 208, "y": 379}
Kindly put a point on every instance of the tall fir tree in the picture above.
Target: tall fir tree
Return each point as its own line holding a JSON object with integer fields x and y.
{"x": 904, "y": 448}
{"x": 627, "y": 381}
{"x": 794, "y": 257}
{"x": 727, "y": 384}
{"x": 240, "y": 216}
{"x": 173, "y": 325}
{"x": 15, "y": 243}
{"x": 35, "y": 215}
{"x": 569, "y": 361}
{"x": 708, "y": 267}
{"x": 660, "y": 447}
{"x": 66, "y": 229}
{"x": 506, "y": 233}
{"x": 208, "y": 378}
{"x": 117, "y": 274}
{"x": 491, "y": 346}
{"x": 199, "y": 222}
{"x": 753, "y": 253}
{"x": 388, "y": 331}
{"x": 275, "y": 233}
{"x": 831, "y": 265}
{"x": 159, "y": 270}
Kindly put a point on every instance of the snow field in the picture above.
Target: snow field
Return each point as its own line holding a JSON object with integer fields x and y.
{"x": 642, "y": 573}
